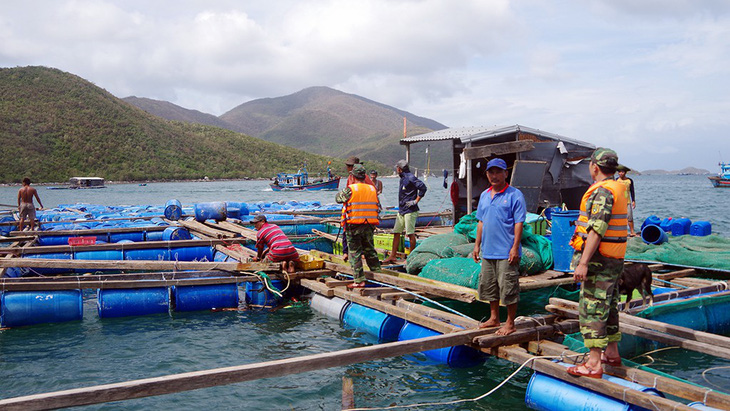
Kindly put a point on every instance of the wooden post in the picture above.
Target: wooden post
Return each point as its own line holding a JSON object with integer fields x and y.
{"x": 348, "y": 393}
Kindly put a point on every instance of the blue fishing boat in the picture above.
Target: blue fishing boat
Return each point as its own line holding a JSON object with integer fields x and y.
{"x": 300, "y": 181}
{"x": 723, "y": 178}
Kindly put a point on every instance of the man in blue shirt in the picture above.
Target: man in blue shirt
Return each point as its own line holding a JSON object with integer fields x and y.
{"x": 410, "y": 192}
{"x": 501, "y": 214}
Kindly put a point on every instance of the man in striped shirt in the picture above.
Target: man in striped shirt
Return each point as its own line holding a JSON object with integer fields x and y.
{"x": 273, "y": 245}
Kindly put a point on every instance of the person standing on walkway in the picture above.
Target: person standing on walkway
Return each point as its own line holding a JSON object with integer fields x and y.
{"x": 501, "y": 213}
{"x": 376, "y": 183}
{"x": 349, "y": 164}
{"x": 630, "y": 196}
{"x": 360, "y": 204}
{"x": 410, "y": 191}
{"x": 26, "y": 208}
{"x": 600, "y": 246}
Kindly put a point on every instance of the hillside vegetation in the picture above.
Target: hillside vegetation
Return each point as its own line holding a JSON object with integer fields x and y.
{"x": 56, "y": 125}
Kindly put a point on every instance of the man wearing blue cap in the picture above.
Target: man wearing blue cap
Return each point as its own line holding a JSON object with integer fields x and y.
{"x": 501, "y": 214}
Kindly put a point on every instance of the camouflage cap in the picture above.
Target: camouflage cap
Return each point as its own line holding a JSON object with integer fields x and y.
{"x": 605, "y": 157}
{"x": 358, "y": 170}
{"x": 351, "y": 161}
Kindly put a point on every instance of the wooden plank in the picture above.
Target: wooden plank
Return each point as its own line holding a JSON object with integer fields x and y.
{"x": 437, "y": 314}
{"x": 678, "y": 388}
{"x": 113, "y": 284}
{"x": 676, "y": 274}
{"x": 90, "y": 231}
{"x": 498, "y": 149}
{"x": 204, "y": 229}
{"x": 528, "y": 334}
{"x": 230, "y": 375}
{"x": 331, "y": 282}
{"x": 614, "y": 390}
{"x": 398, "y": 296}
{"x": 140, "y": 245}
{"x": 119, "y": 265}
{"x": 373, "y": 291}
{"x": 318, "y": 287}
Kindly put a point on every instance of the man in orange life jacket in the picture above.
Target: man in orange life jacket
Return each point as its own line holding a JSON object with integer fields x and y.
{"x": 349, "y": 164}
{"x": 361, "y": 206}
{"x": 600, "y": 244}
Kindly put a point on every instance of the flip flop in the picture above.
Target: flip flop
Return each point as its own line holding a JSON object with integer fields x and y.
{"x": 613, "y": 362}
{"x": 591, "y": 374}
{"x": 356, "y": 285}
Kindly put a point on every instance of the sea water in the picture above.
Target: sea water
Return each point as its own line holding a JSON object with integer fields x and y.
{"x": 52, "y": 357}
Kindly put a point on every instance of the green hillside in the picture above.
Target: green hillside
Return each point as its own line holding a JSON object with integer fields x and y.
{"x": 55, "y": 125}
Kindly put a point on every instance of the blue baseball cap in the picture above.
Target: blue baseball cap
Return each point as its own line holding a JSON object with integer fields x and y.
{"x": 497, "y": 162}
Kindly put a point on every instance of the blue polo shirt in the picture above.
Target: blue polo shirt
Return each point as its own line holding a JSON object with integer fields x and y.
{"x": 499, "y": 216}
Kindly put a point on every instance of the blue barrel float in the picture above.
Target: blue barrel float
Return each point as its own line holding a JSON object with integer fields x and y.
{"x": 680, "y": 226}
{"x": 132, "y": 301}
{"x": 652, "y": 219}
{"x": 203, "y": 253}
{"x": 257, "y": 294}
{"x": 563, "y": 227}
{"x": 666, "y": 224}
{"x": 700, "y": 228}
{"x": 653, "y": 234}
{"x": 175, "y": 234}
{"x": 134, "y": 236}
{"x": 334, "y": 307}
{"x": 53, "y": 256}
{"x": 548, "y": 393}
{"x": 459, "y": 356}
{"x": 210, "y": 211}
{"x": 148, "y": 254}
{"x": 205, "y": 297}
{"x": 381, "y": 325}
{"x": 109, "y": 255}
{"x": 37, "y": 307}
{"x": 173, "y": 210}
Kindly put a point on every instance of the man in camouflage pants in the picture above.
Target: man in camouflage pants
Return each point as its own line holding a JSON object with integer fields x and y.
{"x": 600, "y": 243}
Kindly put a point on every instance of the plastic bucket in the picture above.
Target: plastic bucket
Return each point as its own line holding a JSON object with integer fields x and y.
{"x": 700, "y": 228}
{"x": 175, "y": 234}
{"x": 132, "y": 301}
{"x": 334, "y": 307}
{"x": 680, "y": 226}
{"x": 381, "y": 325}
{"x": 210, "y": 211}
{"x": 258, "y": 295}
{"x": 458, "y": 356}
{"x": 563, "y": 229}
{"x": 173, "y": 210}
{"x": 205, "y": 297}
{"x": 547, "y": 393}
{"x": 653, "y": 234}
{"x": 37, "y": 307}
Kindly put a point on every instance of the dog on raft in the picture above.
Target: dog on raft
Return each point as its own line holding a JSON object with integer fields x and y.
{"x": 636, "y": 277}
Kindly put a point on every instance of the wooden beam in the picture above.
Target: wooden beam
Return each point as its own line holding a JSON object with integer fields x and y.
{"x": 230, "y": 375}
{"x": 672, "y": 386}
{"x": 140, "y": 245}
{"x": 90, "y": 231}
{"x": 528, "y": 334}
{"x": 676, "y": 274}
{"x": 121, "y": 265}
{"x": 438, "y": 314}
{"x": 498, "y": 149}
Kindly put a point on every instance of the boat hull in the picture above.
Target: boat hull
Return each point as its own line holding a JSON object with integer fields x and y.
{"x": 720, "y": 182}
{"x": 326, "y": 185}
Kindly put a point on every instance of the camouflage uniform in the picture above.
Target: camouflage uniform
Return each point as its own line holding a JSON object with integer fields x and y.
{"x": 599, "y": 295}
{"x": 360, "y": 242}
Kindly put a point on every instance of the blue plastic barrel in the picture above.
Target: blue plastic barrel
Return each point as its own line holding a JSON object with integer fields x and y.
{"x": 135, "y": 236}
{"x": 653, "y": 234}
{"x": 700, "y": 406}
{"x": 175, "y": 234}
{"x": 53, "y": 240}
{"x": 666, "y": 224}
{"x": 459, "y": 356}
{"x": 334, "y": 307}
{"x": 652, "y": 219}
{"x": 210, "y": 211}
{"x": 204, "y": 253}
{"x": 680, "y": 226}
{"x": 548, "y": 393}
{"x": 99, "y": 255}
{"x": 700, "y": 228}
{"x": 153, "y": 236}
{"x": 563, "y": 228}
{"x": 37, "y": 307}
{"x": 173, "y": 210}
{"x": 132, "y": 301}
{"x": 205, "y": 297}
{"x": 258, "y": 295}
{"x": 381, "y": 325}
{"x": 149, "y": 254}
{"x": 52, "y": 256}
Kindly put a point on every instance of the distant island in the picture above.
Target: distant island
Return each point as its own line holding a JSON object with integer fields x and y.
{"x": 685, "y": 171}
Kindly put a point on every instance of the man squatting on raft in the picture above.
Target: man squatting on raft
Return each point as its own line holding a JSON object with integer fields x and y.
{"x": 501, "y": 214}
{"x": 273, "y": 245}
{"x": 600, "y": 246}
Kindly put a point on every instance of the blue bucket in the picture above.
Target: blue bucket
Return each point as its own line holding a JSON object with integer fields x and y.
{"x": 36, "y": 307}
{"x": 653, "y": 234}
{"x": 680, "y": 226}
{"x": 563, "y": 228}
{"x": 459, "y": 356}
{"x": 548, "y": 393}
{"x": 210, "y": 211}
{"x": 381, "y": 325}
{"x": 205, "y": 297}
{"x": 700, "y": 228}
{"x": 175, "y": 234}
{"x": 132, "y": 301}
{"x": 173, "y": 210}
{"x": 258, "y": 295}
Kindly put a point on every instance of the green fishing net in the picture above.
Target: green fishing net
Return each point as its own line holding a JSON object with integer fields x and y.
{"x": 710, "y": 251}
{"x": 432, "y": 248}
{"x": 456, "y": 270}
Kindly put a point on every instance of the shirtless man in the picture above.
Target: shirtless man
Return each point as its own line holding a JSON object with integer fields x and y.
{"x": 26, "y": 209}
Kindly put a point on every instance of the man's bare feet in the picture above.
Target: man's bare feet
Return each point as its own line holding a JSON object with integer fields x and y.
{"x": 506, "y": 330}
{"x": 389, "y": 261}
{"x": 489, "y": 323}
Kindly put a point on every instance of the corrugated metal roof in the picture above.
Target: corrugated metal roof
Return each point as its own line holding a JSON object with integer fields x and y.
{"x": 474, "y": 134}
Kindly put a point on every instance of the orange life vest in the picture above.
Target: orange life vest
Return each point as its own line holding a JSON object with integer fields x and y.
{"x": 613, "y": 242}
{"x": 362, "y": 207}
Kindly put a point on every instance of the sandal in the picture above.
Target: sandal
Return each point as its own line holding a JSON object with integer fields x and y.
{"x": 590, "y": 374}
{"x": 613, "y": 362}
{"x": 356, "y": 285}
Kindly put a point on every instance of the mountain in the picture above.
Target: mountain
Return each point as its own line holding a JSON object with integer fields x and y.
{"x": 684, "y": 171}
{"x": 171, "y": 111}
{"x": 55, "y": 125}
{"x": 326, "y": 121}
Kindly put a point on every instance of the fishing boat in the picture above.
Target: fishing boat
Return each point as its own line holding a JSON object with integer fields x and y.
{"x": 299, "y": 181}
{"x": 723, "y": 178}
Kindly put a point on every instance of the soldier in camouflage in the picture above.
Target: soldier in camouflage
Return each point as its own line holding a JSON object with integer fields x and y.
{"x": 598, "y": 263}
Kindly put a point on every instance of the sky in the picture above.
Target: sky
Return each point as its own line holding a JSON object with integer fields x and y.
{"x": 648, "y": 78}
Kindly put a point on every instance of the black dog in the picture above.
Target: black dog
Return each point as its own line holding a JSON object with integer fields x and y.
{"x": 636, "y": 276}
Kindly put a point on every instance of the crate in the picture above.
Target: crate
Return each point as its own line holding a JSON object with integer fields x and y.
{"x": 385, "y": 242}
{"x": 539, "y": 226}
{"x": 76, "y": 241}
{"x": 307, "y": 262}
